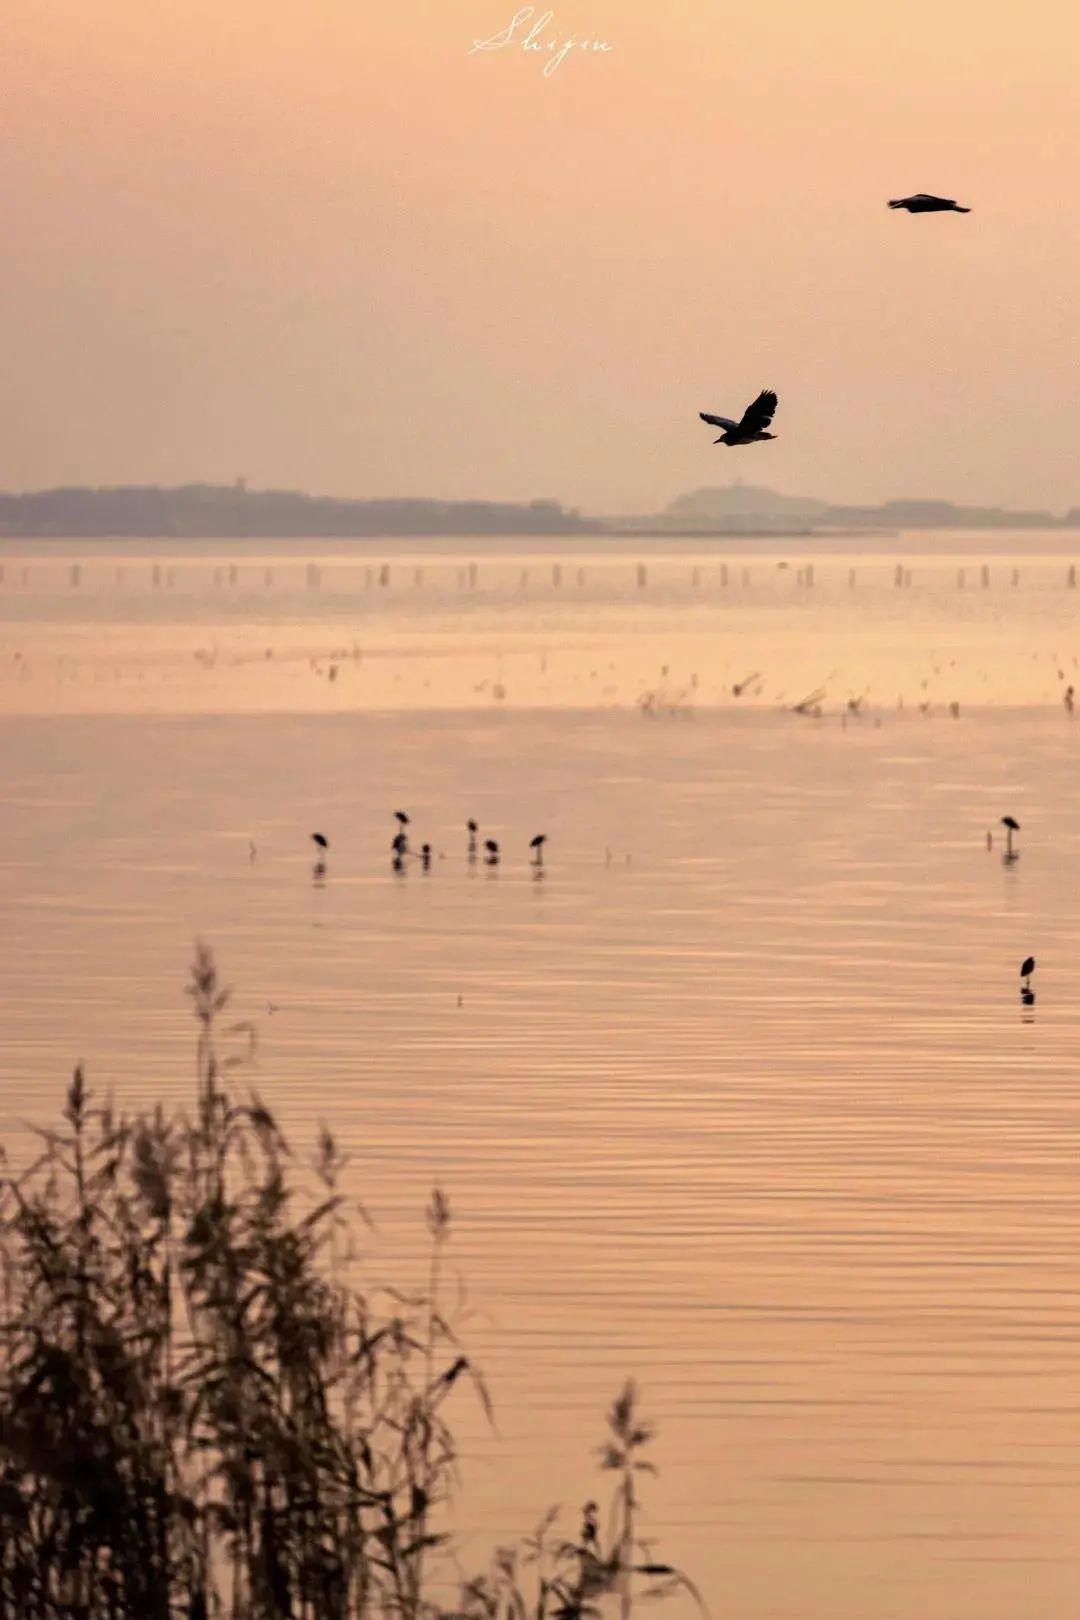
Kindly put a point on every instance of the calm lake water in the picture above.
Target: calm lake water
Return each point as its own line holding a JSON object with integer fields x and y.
{"x": 738, "y": 1097}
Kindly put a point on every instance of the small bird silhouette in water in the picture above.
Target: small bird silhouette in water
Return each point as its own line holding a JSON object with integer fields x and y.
{"x": 755, "y": 419}
{"x": 924, "y": 203}
{"x": 537, "y": 846}
{"x": 1010, "y": 825}
{"x": 472, "y": 829}
{"x": 323, "y": 843}
{"x": 492, "y": 855}
{"x": 425, "y": 856}
{"x": 1027, "y": 968}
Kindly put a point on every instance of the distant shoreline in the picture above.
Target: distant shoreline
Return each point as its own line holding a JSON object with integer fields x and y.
{"x": 216, "y": 512}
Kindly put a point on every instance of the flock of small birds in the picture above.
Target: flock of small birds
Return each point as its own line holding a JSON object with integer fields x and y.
{"x": 400, "y": 851}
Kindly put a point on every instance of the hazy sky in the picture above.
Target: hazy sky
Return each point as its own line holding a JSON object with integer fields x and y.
{"x": 320, "y": 244}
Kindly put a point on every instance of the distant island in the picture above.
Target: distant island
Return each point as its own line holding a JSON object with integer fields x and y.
{"x": 232, "y": 511}
{"x": 754, "y": 509}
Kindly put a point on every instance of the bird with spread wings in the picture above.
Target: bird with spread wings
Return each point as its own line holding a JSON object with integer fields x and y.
{"x": 755, "y": 419}
{"x": 924, "y": 202}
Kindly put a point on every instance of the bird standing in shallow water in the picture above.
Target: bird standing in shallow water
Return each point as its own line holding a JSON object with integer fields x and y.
{"x": 492, "y": 855}
{"x": 751, "y": 427}
{"x": 1010, "y": 825}
{"x": 1027, "y": 968}
{"x": 537, "y": 846}
{"x": 473, "y": 829}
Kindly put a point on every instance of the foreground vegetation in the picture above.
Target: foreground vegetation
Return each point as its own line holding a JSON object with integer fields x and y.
{"x": 203, "y": 1413}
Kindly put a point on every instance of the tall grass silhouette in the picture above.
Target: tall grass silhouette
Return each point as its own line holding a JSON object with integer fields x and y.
{"x": 203, "y": 1414}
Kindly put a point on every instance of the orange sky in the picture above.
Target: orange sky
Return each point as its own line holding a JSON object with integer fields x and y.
{"x": 321, "y": 244}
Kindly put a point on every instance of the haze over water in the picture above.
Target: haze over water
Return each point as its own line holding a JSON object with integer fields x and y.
{"x": 740, "y": 1097}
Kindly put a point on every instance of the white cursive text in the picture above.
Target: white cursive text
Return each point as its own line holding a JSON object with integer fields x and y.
{"x": 554, "y": 49}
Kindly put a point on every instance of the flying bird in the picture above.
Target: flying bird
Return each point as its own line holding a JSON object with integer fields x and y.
{"x": 924, "y": 203}
{"x": 755, "y": 419}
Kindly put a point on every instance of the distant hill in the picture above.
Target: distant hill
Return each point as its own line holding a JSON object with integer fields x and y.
{"x": 744, "y": 503}
{"x": 755, "y": 509}
{"x": 217, "y": 511}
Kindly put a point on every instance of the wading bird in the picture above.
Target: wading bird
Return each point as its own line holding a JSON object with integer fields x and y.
{"x": 755, "y": 419}
{"x": 1010, "y": 826}
{"x": 1027, "y": 968}
{"x": 537, "y": 846}
{"x": 492, "y": 848}
{"x": 923, "y": 203}
{"x": 473, "y": 829}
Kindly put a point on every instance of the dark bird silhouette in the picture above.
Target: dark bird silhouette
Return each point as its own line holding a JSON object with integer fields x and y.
{"x": 1010, "y": 825}
{"x": 323, "y": 843}
{"x": 1027, "y": 996}
{"x": 401, "y": 818}
{"x": 473, "y": 829}
{"x": 755, "y": 419}
{"x": 492, "y": 848}
{"x": 425, "y": 856}
{"x": 537, "y": 846}
{"x": 923, "y": 203}
{"x": 1027, "y": 968}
